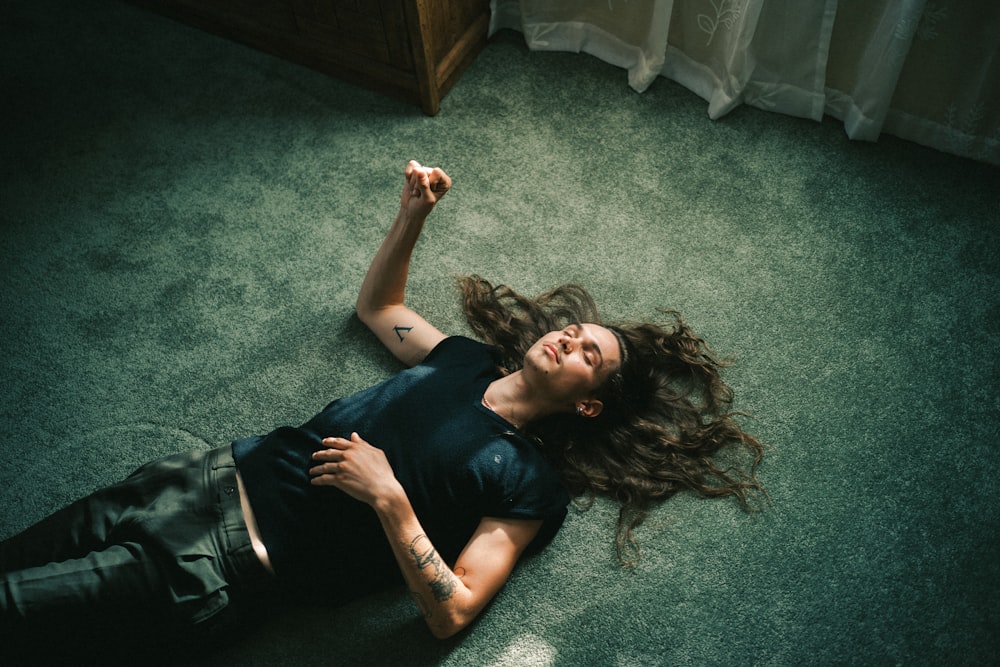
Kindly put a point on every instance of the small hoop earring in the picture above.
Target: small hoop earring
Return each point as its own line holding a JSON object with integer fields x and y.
{"x": 579, "y": 411}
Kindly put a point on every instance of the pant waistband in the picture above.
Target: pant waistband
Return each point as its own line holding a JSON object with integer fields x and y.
{"x": 240, "y": 562}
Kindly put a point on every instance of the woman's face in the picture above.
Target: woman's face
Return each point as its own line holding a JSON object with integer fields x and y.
{"x": 572, "y": 363}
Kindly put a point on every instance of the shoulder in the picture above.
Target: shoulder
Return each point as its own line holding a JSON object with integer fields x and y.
{"x": 527, "y": 487}
{"x": 530, "y": 486}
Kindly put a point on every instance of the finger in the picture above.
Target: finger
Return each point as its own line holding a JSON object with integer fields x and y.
{"x": 330, "y": 455}
{"x": 335, "y": 443}
{"x": 324, "y": 480}
{"x": 423, "y": 180}
{"x": 323, "y": 469}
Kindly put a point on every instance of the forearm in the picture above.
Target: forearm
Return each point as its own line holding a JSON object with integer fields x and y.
{"x": 449, "y": 598}
{"x": 444, "y": 600}
{"x": 385, "y": 283}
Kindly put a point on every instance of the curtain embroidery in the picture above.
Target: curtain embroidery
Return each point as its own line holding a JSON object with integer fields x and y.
{"x": 927, "y": 29}
{"x": 727, "y": 13}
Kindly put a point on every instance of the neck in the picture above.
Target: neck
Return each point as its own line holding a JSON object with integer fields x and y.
{"x": 512, "y": 398}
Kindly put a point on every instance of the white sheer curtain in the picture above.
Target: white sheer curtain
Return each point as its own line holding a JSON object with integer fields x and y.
{"x": 924, "y": 70}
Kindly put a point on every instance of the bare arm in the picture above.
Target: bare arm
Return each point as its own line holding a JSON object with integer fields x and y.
{"x": 449, "y": 598}
{"x": 380, "y": 303}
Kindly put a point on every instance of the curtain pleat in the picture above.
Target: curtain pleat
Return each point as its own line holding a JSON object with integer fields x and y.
{"x": 924, "y": 70}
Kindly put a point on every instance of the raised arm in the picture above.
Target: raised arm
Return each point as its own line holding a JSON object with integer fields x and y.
{"x": 449, "y": 597}
{"x": 380, "y": 303}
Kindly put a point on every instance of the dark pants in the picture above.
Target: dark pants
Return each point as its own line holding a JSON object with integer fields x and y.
{"x": 165, "y": 553}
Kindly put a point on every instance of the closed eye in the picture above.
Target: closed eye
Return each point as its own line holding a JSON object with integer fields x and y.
{"x": 591, "y": 350}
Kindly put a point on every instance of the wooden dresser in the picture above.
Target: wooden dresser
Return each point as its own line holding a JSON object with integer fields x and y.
{"x": 412, "y": 49}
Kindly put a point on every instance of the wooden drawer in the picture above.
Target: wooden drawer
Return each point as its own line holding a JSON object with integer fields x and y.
{"x": 369, "y": 29}
{"x": 413, "y": 49}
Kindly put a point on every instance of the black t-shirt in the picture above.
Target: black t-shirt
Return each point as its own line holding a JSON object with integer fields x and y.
{"x": 457, "y": 461}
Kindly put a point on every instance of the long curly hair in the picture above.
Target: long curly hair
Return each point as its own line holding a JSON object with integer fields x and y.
{"x": 666, "y": 424}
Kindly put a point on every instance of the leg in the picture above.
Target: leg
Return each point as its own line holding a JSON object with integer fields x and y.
{"x": 91, "y": 523}
{"x": 72, "y": 532}
{"x": 93, "y": 556}
{"x": 95, "y": 608}
{"x": 160, "y": 554}
{"x": 114, "y": 577}
{"x": 84, "y": 526}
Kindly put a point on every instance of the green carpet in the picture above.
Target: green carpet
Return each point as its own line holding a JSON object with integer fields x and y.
{"x": 185, "y": 223}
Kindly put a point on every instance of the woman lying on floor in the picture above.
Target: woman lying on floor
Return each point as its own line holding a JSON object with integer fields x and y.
{"x": 440, "y": 477}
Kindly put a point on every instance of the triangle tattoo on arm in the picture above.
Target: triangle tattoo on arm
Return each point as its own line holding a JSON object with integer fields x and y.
{"x": 401, "y": 330}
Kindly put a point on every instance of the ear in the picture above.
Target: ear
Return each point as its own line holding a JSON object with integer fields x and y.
{"x": 589, "y": 408}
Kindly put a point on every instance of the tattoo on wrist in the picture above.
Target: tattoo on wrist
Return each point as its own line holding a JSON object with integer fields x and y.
{"x": 402, "y": 330}
{"x": 442, "y": 584}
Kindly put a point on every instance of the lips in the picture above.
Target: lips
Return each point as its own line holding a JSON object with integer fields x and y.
{"x": 551, "y": 351}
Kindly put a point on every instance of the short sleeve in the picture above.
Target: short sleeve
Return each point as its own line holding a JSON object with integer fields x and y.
{"x": 520, "y": 483}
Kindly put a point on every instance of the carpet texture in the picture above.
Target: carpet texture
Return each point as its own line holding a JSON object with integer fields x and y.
{"x": 185, "y": 223}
